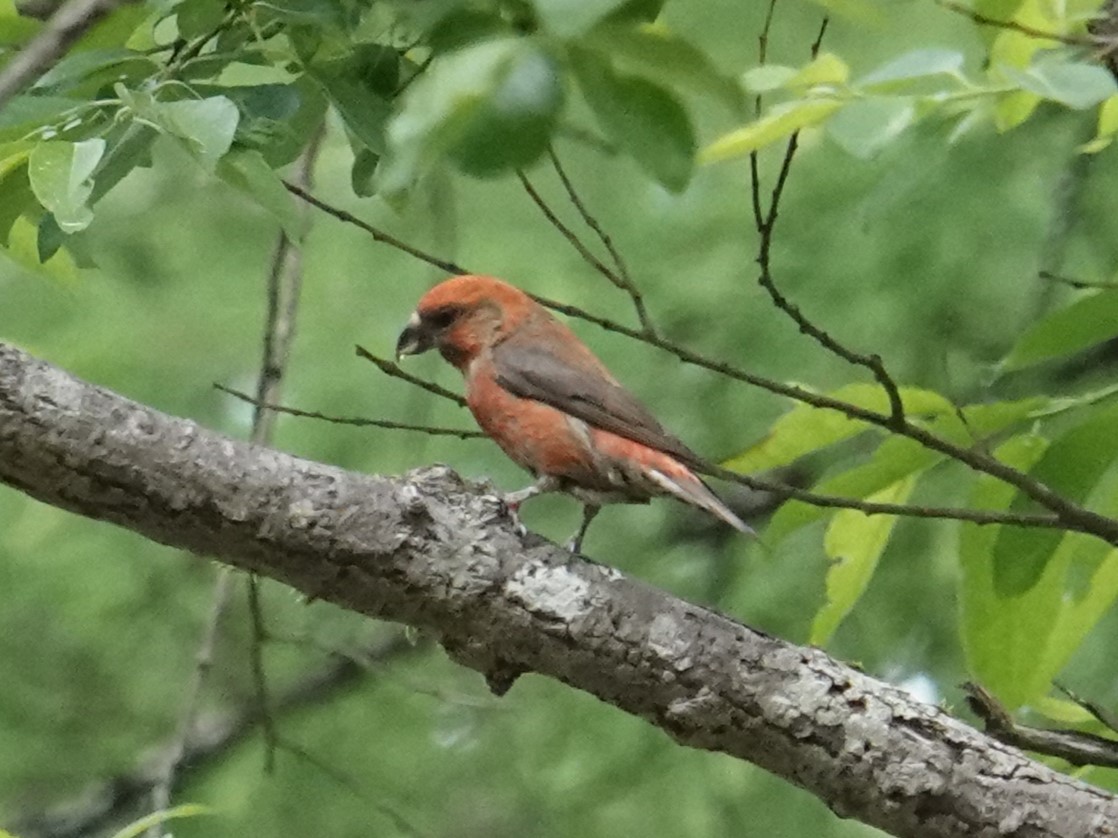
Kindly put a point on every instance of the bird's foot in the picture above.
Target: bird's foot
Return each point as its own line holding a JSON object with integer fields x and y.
{"x": 574, "y": 544}
{"x": 511, "y": 509}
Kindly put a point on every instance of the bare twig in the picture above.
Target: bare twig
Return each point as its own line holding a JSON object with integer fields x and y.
{"x": 164, "y": 781}
{"x": 765, "y": 222}
{"x": 392, "y": 369}
{"x": 1103, "y": 717}
{"x": 356, "y": 421}
{"x": 1074, "y": 746}
{"x": 1101, "y": 284}
{"x": 985, "y": 20}
{"x": 597, "y": 264}
{"x": 377, "y": 234}
{"x": 343, "y": 780}
{"x": 72, "y": 20}
{"x": 621, "y": 276}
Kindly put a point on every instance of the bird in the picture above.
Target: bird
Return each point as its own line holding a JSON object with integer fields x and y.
{"x": 551, "y": 405}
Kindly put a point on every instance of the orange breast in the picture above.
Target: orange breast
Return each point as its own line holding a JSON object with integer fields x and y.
{"x": 535, "y": 436}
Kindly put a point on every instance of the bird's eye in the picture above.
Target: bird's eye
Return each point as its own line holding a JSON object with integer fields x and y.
{"x": 443, "y": 317}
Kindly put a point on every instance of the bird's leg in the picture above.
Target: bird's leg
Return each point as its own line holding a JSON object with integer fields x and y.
{"x": 589, "y": 512}
{"x": 513, "y": 500}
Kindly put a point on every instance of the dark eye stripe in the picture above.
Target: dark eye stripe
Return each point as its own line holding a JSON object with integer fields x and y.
{"x": 440, "y": 318}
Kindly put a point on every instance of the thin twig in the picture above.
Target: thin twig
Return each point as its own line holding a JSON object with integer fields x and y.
{"x": 597, "y": 264}
{"x": 1071, "y": 515}
{"x": 1024, "y": 29}
{"x": 356, "y": 421}
{"x": 164, "y": 782}
{"x": 393, "y": 369}
{"x": 72, "y": 20}
{"x": 621, "y": 276}
{"x": 1101, "y": 284}
{"x": 377, "y": 234}
{"x": 259, "y": 675}
{"x": 343, "y": 780}
{"x": 758, "y": 106}
{"x": 765, "y": 222}
{"x": 1103, "y": 717}
{"x": 1074, "y": 746}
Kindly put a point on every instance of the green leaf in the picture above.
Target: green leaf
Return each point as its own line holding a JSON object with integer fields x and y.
{"x": 825, "y": 69}
{"x": 1072, "y": 466}
{"x": 656, "y": 53}
{"x": 1080, "y": 611}
{"x": 363, "y": 172}
{"x": 511, "y": 126}
{"x": 196, "y": 18}
{"x": 806, "y": 429}
{"x": 490, "y": 107}
{"x": 1090, "y": 320}
{"x": 1077, "y": 85}
{"x": 1014, "y": 108}
{"x": 782, "y": 121}
{"x": 571, "y": 18}
{"x": 60, "y": 178}
{"x": 318, "y": 15}
{"x": 279, "y": 120}
{"x": 636, "y": 11}
{"x": 23, "y": 249}
{"x": 865, "y": 127}
{"x": 95, "y": 67}
{"x": 1108, "y": 127}
{"x": 899, "y": 72}
{"x": 16, "y": 196}
{"x": 248, "y": 171}
{"x": 26, "y": 113}
{"x": 207, "y": 126}
{"x": 365, "y": 114}
{"x": 999, "y": 635}
{"x": 854, "y": 542}
{"x": 139, "y": 827}
{"x": 15, "y": 28}
{"x": 465, "y": 26}
{"x": 641, "y": 117}
{"x": 768, "y": 77}
{"x": 50, "y": 237}
{"x": 128, "y": 147}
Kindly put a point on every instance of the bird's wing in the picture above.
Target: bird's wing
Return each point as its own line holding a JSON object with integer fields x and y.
{"x": 533, "y": 372}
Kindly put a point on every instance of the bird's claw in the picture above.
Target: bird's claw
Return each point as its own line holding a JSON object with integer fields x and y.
{"x": 510, "y": 508}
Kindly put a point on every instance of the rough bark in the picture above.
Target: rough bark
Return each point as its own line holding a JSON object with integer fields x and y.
{"x": 430, "y": 551}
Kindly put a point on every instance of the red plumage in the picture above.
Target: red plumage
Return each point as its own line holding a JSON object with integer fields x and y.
{"x": 550, "y": 404}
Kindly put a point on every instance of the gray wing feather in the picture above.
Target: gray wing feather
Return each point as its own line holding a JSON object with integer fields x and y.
{"x": 534, "y": 373}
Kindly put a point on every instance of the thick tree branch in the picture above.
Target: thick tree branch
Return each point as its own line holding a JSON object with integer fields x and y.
{"x": 428, "y": 550}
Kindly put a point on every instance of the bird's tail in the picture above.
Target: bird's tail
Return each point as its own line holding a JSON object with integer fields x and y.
{"x": 690, "y": 489}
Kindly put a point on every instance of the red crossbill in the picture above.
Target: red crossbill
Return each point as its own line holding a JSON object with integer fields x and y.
{"x": 550, "y": 404}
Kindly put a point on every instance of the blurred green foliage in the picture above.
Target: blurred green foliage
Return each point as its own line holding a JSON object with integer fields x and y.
{"x": 139, "y": 206}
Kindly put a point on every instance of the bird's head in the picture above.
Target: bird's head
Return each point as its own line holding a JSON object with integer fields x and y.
{"x": 462, "y": 316}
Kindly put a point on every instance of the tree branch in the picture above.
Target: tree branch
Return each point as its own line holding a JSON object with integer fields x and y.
{"x": 70, "y": 22}
{"x": 428, "y": 550}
